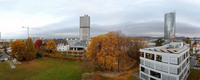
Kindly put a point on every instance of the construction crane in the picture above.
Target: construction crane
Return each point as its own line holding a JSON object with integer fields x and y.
{"x": 28, "y": 30}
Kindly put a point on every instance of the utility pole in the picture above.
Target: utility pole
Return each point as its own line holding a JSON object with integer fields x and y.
{"x": 27, "y": 30}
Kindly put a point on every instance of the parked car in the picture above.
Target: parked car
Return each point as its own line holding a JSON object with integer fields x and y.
{"x": 5, "y": 59}
{"x": 2, "y": 60}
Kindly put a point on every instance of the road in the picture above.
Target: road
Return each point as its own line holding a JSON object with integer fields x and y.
{"x": 4, "y": 55}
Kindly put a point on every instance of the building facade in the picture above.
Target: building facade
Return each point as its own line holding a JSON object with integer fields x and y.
{"x": 168, "y": 62}
{"x": 196, "y": 48}
{"x": 170, "y": 26}
{"x": 85, "y": 27}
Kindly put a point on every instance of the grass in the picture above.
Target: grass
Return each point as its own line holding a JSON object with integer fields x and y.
{"x": 194, "y": 73}
{"x": 42, "y": 69}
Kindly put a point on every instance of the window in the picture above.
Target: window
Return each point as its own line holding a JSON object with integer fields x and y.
{"x": 144, "y": 76}
{"x": 150, "y": 56}
{"x": 141, "y": 61}
{"x": 152, "y": 78}
{"x": 173, "y": 70}
{"x": 158, "y": 67}
{"x": 155, "y": 74}
{"x": 141, "y": 54}
{"x": 159, "y": 58}
{"x": 173, "y": 60}
{"x": 165, "y": 77}
{"x": 164, "y": 68}
{"x": 144, "y": 70}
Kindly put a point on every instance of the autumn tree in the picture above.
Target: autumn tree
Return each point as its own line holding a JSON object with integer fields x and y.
{"x": 50, "y": 47}
{"x": 29, "y": 50}
{"x": 134, "y": 48}
{"x": 187, "y": 40}
{"x": 159, "y": 42}
{"x": 105, "y": 50}
{"x": 38, "y": 44}
{"x": 17, "y": 48}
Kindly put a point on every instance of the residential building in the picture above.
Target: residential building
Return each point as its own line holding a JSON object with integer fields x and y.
{"x": 168, "y": 62}
{"x": 169, "y": 26}
{"x": 78, "y": 49}
{"x": 196, "y": 48}
{"x": 62, "y": 45}
{"x": 85, "y": 27}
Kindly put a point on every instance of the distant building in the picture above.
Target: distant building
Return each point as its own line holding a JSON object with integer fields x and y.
{"x": 170, "y": 26}
{"x": 196, "y": 48}
{"x": 62, "y": 45}
{"x": 168, "y": 62}
{"x": 85, "y": 27}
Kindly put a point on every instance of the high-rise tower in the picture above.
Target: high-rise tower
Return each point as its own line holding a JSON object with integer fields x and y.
{"x": 170, "y": 26}
{"x": 85, "y": 27}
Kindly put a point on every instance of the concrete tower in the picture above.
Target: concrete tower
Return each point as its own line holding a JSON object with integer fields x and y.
{"x": 170, "y": 26}
{"x": 85, "y": 27}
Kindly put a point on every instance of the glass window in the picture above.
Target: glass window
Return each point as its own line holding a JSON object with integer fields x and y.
{"x": 173, "y": 70}
{"x": 158, "y": 66}
{"x": 144, "y": 70}
{"x": 155, "y": 74}
{"x": 142, "y": 54}
{"x": 172, "y": 78}
{"x": 150, "y": 56}
{"x": 152, "y": 78}
{"x": 141, "y": 61}
{"x": 165, "y": 77}
{"x": 144, "y": 76}
{"x": 164, "y": 68}
{"x": 164, "y": 58}
{"x": 173, "y": 60}
{"x": 159, "y": 58}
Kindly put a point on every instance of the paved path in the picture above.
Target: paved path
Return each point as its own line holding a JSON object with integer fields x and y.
{"x": 136, "y": 74}
{"x": 6, "y": 56}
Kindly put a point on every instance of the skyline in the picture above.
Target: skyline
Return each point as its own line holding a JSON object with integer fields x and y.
{"x": 60, "y": 19}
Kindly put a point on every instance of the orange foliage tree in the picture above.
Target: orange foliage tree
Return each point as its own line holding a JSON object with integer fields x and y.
{"x": 23, "y": 51}
{"x": 50, "y": 46}
{"x": 17, "y": 49}
{"x": 105, "y": 50}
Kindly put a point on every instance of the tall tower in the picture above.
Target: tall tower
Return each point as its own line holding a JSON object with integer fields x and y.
{"x": 85, "y": 27}
{"x": 170, "y": 26}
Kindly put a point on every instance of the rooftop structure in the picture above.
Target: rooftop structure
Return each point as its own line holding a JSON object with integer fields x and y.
{"x": 168, "y": 62}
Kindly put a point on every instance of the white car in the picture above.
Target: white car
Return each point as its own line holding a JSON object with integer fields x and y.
{"x": 5, "y": 59}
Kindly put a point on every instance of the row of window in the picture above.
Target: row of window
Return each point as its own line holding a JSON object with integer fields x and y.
{"x": 164, "y": 68}
{"x": 164, "y": 59}
{"x": 155, "y": 74}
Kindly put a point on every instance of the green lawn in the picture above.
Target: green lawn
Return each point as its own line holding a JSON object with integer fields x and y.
{"x": 194, "y": 73}
{"x": 42, "y": 69}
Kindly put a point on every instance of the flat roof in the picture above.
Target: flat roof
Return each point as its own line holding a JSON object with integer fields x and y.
{"x": 167, "y": 49}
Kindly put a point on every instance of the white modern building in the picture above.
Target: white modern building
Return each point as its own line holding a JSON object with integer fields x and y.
{"x": 168, "y": 62}
{"x": 85, "y": 27}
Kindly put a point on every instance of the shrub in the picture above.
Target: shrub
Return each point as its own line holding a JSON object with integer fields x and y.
{"x": 87, "y": 76}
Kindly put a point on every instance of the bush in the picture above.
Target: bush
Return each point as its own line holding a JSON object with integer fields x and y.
{"x": 87, "y": 76}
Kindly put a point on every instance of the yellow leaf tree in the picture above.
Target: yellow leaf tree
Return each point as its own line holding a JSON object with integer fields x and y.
{"x": 17, "y": 48}
{"x": 50, "y": 47}
{"x": 105, "y": 50}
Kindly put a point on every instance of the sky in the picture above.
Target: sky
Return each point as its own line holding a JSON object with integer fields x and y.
{"x": 60, "y": 18}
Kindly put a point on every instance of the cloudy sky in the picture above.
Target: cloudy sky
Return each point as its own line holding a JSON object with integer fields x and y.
{"x": 60, "y": 18}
